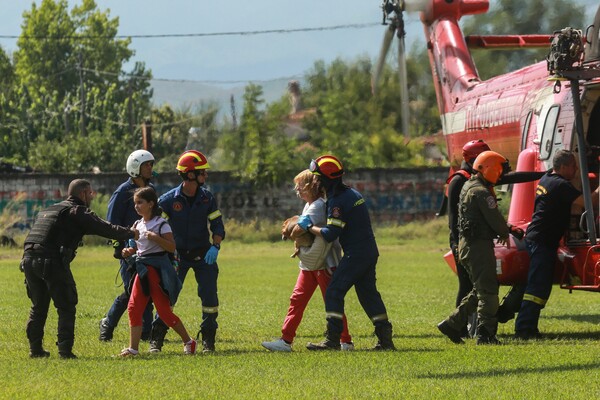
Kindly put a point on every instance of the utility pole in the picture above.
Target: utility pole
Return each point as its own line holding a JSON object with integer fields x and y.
{"x": 147, "y": 135}
{"x": 82, "y": 122}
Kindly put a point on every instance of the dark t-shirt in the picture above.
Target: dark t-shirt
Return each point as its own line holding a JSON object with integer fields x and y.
{"x": 553, "y": 199}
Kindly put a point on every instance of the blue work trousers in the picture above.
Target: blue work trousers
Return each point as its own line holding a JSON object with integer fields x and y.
{"x": 539, "y": 285}
{"x": 360, "y": 273}
{"x": 206, "y": 277}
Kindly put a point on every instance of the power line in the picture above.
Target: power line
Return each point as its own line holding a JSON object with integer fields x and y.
{"x": 132, "y": 76}
{"x": 209, "y": 34}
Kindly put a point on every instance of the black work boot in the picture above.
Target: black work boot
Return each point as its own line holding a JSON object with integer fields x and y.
{"x": 65, "y": 350}
{"x": 384, "y": 336}
{"x": 454, "y": 335}
{"x": 157, "y": 336}
{"x": 484, "y": 337}
{"x": 36, "y": 350}
{"x": 331, "y": 342}
{"x": 208, "y": 339}
{"x": 106, "y": 331}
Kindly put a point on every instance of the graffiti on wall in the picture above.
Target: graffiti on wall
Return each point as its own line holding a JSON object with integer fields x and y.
{"x": 391, "y": 196}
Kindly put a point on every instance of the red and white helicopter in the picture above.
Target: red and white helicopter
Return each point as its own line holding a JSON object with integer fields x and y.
{"x": 526, "y": 115}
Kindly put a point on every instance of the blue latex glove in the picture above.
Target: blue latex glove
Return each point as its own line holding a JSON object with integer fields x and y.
{"x": 211, "y": 255}
{"x": 304, "y": 222}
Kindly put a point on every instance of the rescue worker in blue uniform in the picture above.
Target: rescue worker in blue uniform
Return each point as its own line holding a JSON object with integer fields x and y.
{"x": 49, "y": 249}
{"x": 511, "y": 302}
{"x": 121, "y": 211}
{"x": 348, "y": 219}
{"x": 480, "y": 223}
{"x": 553, "y": 200}
{"x": 190, "y": 209}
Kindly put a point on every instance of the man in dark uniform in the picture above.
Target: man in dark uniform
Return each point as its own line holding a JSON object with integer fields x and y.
{"x": 50, "y": 247}
{"x": 480, "y": 222}
{"x": 553, "y": 199}
{"x": 348, "y": 219}
{"x": 122, "y": 212}
{"x": 191, "y": 209}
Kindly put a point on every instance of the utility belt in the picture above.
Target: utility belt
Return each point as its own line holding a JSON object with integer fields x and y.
{"x": 192, "y": 255}
{"x": 64, "y": 254}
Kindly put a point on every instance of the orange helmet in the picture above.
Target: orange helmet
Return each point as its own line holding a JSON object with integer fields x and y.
{"x": 328, "y": 166}
{"x": 192, "y": 160}
{"x": 490, "y": 165}
{"x": 473, "y": 148}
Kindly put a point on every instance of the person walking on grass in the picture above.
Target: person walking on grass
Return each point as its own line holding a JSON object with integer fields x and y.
{"x": 191, "y": 210}
{"x": 49, "y": 249}
{"x": 348, "y": 219}
{"x": 154, "y": 277}
{"x": 480, "y": 223}
{"x": 121, "y": 212}
{"x": 317, "y": 263}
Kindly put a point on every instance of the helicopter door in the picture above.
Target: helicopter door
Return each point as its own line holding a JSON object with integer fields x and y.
{"x": 550, "y": 139}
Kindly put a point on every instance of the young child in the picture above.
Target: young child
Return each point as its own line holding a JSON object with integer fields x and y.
{"x": 310, "y": 190}
{"x": 155, "y": 277}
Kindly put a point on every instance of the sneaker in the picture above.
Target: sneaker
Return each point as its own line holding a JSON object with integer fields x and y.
{"x": 451, "y": 333}
{"x": 190, "y": 347}
{"x": 347, "y": 346}
{"x": 153, "y": 349}
{"x": 128, "y": 352}
{"x": 208, "y": 347}
{"x": 324, "y": 345}
{"x": 277, "y": 345}
{"x": 106, "y": 331}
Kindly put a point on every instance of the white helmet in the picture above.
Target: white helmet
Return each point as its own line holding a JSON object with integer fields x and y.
{"x": 135, "y": 160}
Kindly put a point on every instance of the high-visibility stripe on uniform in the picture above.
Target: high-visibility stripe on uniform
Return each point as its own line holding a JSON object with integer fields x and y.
{"x": 210, "y": 310}
{"x": 336, "y": 222}
{"x": 331, "y": 314}
{"x": 534, "y": 299}
{"x": 214, "y": 214}
{"x": 379, "y": 317}
{"x": 359, "y": 202}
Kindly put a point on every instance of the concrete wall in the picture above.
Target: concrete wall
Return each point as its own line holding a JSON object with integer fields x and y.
{"x": 392, "y": 195}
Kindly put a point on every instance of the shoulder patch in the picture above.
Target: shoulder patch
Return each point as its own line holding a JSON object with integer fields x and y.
{"x": 336, "y": 212}
{"x": 177, "y": 206}
{"x": 491, "y": 202}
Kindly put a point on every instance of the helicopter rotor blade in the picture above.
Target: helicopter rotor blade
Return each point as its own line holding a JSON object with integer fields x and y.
{"x": 402, "y": 77}
{"x": 385, "y": 47}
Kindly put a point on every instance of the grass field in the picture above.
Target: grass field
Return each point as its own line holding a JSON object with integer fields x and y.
{"x": 254, "y": 286}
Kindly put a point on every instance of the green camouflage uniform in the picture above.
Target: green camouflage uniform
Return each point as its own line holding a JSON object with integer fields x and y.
{"x": 480, "y": 222}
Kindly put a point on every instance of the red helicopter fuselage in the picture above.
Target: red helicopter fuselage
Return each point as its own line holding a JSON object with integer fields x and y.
{"x": 521, "y": 116}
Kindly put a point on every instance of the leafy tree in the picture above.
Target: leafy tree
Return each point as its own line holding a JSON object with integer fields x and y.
{"x": 520, "y": 17}
{"x": 70, "y": 85}
{"x": 258, "y": 151}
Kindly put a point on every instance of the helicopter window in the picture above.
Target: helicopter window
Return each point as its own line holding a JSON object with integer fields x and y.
{"x": 525, "y": 134}
{"x": 547, "y": 139}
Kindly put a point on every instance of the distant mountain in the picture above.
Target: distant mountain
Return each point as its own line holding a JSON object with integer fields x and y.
{"x": 180, "y": 94}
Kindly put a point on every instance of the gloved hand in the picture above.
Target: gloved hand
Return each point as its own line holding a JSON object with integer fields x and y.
{"x": 211, "y": 255}
{"x": 304, "y": 222}
{"x": 518, "y": 233}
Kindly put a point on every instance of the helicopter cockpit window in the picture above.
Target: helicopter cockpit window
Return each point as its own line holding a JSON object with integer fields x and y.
{"x": 547, "y": 139}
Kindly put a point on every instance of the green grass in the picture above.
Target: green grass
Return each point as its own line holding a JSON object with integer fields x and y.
{"x": 254, "y": 287}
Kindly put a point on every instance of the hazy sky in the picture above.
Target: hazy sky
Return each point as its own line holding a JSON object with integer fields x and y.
{"x": 236, "y": 57}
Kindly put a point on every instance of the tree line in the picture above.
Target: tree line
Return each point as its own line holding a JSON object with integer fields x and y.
{"x": 68, "y": 105}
